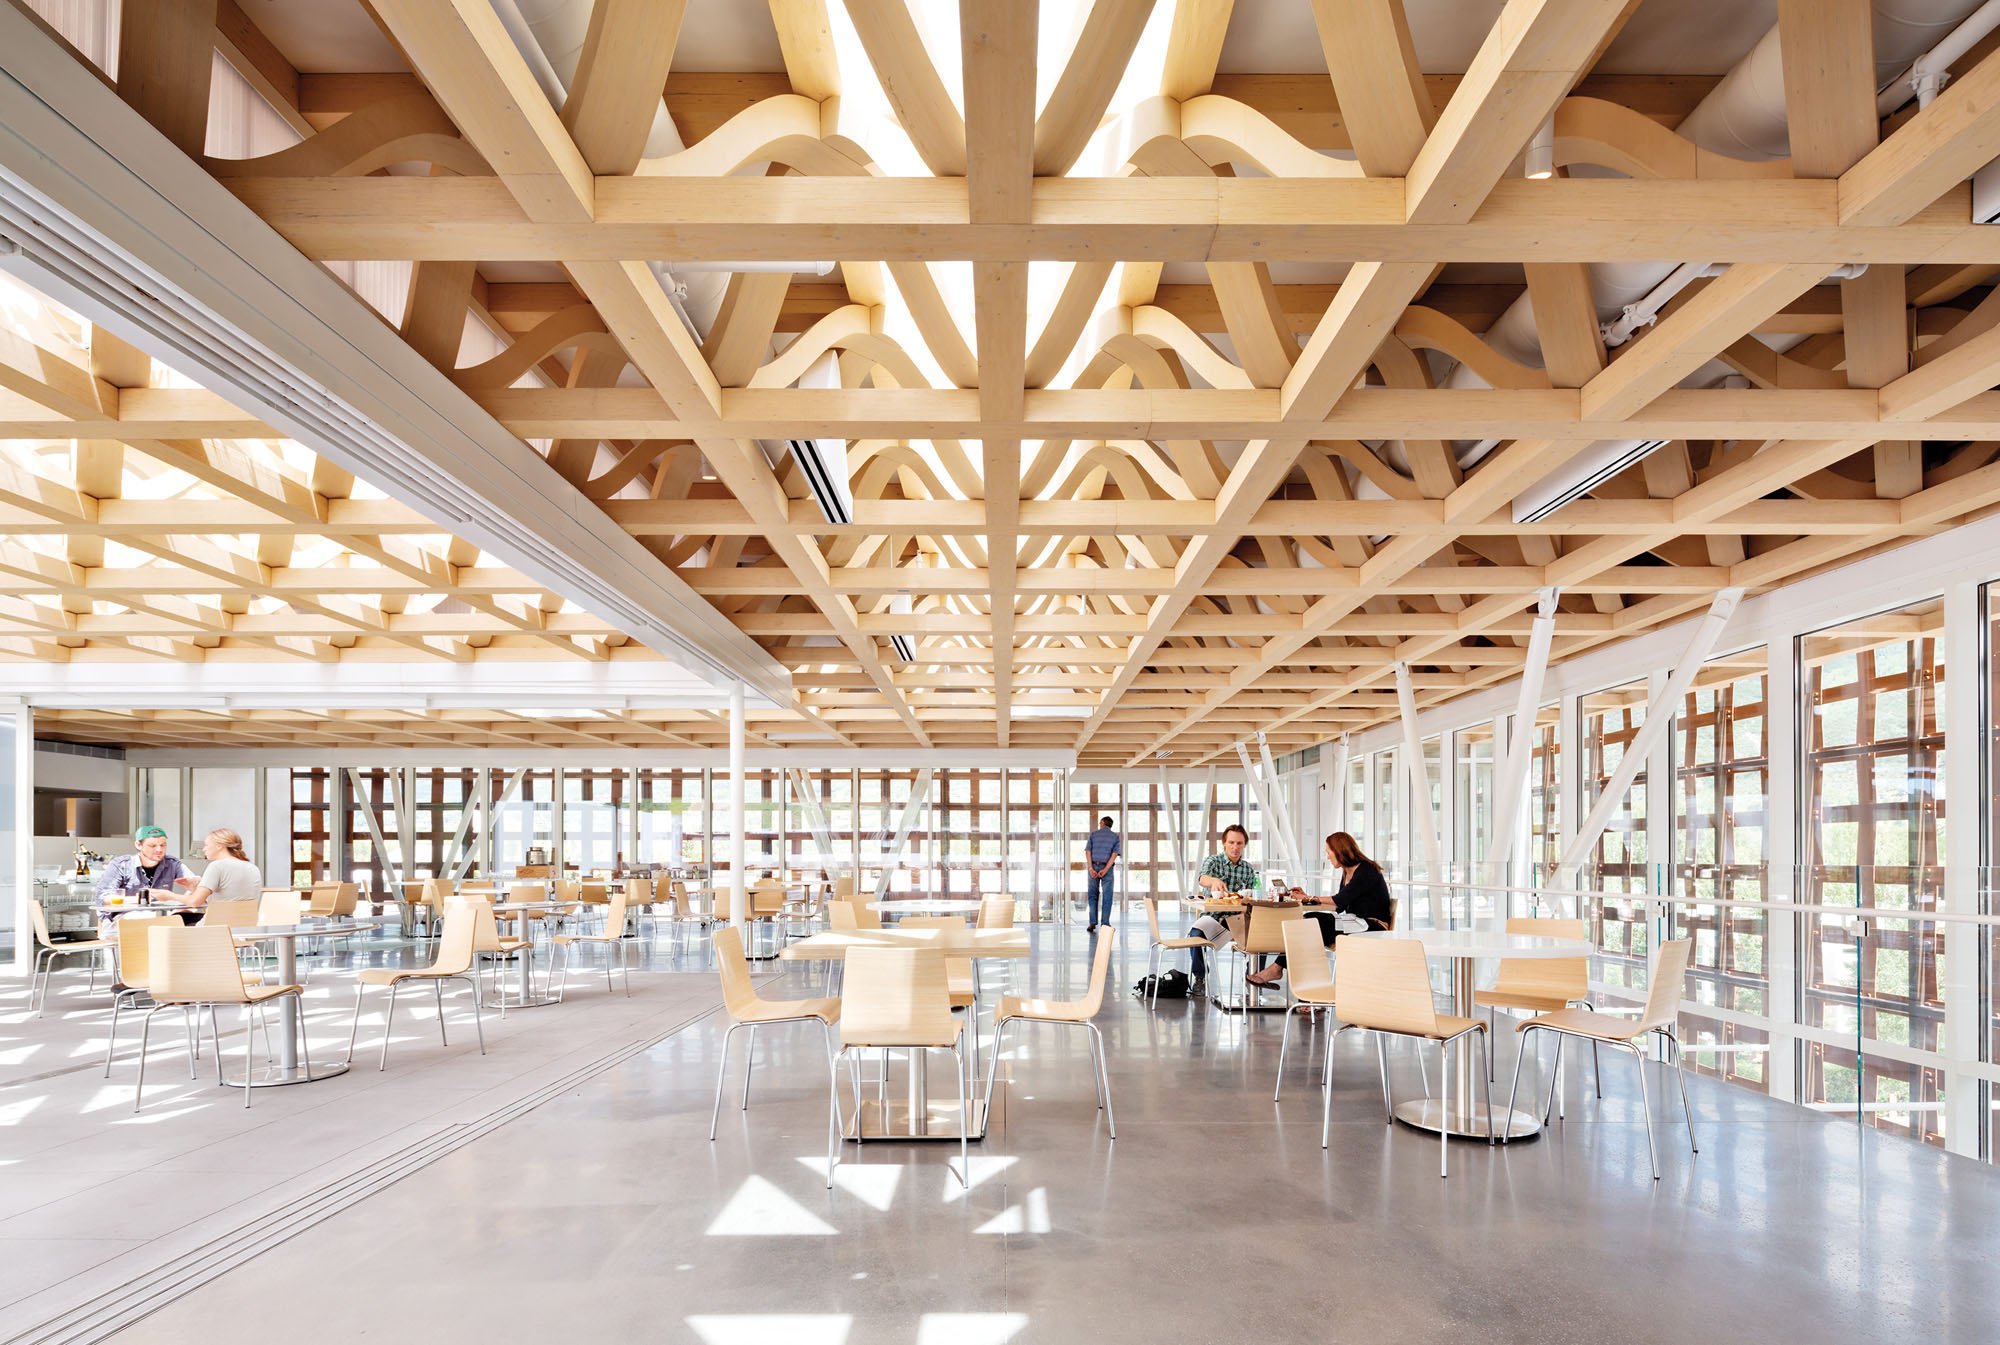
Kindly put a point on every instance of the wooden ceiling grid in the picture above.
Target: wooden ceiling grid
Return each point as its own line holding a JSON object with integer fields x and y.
{"x": 1144, "y": 521}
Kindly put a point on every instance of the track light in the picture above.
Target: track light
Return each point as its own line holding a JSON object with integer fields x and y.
{"x": 1540, "y": 161}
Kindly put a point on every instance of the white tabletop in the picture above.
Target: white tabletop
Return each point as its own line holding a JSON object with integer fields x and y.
{"x": 262, "y": 933}
{"x": 927, "y": 905}
{"x": 1475, "y": 943}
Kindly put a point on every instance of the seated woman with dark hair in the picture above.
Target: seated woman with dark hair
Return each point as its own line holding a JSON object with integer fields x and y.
{"x": 1363, "y": 895}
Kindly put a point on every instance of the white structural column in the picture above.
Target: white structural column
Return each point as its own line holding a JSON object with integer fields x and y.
{"x": 1424, "y": 816}
{"x": 737, "y": 887}
{"x": 17, "y": 824}
{"x": 1781, "y": 932}
{"x": 1512, "y": 785}
{"x": 1961, "y": 799}
{"x": 920, "y": 795}
{"x": 1659, "y": 717}
{"x": 1269, "y": 792}
{"x": 1176, "y": 809}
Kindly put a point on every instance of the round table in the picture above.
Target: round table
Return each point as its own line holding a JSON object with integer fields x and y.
{"x": 286, "y": 1068}
{"x": 926, "y": 906}
{"x": 1462, "y": 948}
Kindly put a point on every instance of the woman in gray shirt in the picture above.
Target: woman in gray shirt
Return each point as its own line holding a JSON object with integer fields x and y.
{"x": 230, "y": 876}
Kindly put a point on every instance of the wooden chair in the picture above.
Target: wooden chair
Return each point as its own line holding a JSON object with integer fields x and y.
{"x": 489, "y": 943}
{"x": 1260, "y": 930}
{"x": 132, "y": 935}
{"x": 897, "y": 999}
{"x": 1385, "y": 988}
{"x": 996, "y": 912}
{"x": 746, "y": 1009}
{"x": 322, "y": 898}
{"x": 1541, "y": 984}
{"x": 278, "y": 906}
{"x": 1309, "y": 973}
{"x": 454, "y": 963}
{"x": 192, "y": 965}
{"x": 1160, "y": 945}
{"x": 230, "y": 914}
{"x": 1662, "y": 1011}
{"x": 612, "y": 937}
{"x": 47, "y": 950}
{"x": 960, "y": 981}
{"x": 844, "y": 915}
{"x": 1069, "y": 1013}
{"x": 843, "y": 887}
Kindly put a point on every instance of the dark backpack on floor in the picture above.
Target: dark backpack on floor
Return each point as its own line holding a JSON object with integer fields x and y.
{"x": 1174, "y": 984}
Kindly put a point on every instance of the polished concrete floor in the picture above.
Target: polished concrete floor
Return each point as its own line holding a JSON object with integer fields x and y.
{"x": 605, "y": 1212}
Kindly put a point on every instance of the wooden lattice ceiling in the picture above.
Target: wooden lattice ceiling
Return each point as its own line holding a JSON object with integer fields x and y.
{"x": 1183, "y": 508}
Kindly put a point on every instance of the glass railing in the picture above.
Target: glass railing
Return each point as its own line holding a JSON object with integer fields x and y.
{"x": 1867, "y": 991}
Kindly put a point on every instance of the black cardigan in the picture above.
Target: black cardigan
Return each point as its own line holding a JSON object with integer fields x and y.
{"x": 1365, "y": 895}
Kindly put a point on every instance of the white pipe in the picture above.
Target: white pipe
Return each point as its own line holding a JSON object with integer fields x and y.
{"x": 1288, "y": 834}
{"x": 1659, "y": 716}
{"x": 1928, "y": 73}
{"x": 1647, "y": 311}
{"x": 1406, "y": 703}
{"x": 768, "y": 268}
{"x": 1513, "y": 780}
{"x": 737, "y": 916}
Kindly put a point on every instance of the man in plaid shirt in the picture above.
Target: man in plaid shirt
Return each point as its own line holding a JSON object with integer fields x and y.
{"x": 1222, "y": 874}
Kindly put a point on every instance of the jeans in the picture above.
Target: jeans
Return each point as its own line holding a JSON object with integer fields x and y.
{"x": 1104, "y": 888}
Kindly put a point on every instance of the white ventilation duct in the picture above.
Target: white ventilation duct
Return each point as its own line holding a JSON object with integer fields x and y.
{"x": 1743, "y": 117}
{"x": 550, "y": 36}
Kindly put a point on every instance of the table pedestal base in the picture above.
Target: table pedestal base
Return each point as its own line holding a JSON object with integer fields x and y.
{"x": 278, "y": 1075}
{"x": 1251, "y": 1001}
{"x": 900, "y": 1121}
{"x": 1468, "y": 1122}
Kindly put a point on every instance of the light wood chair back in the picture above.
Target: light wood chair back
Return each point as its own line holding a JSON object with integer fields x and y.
{"x": 843, "y": 915}
{"x": 455, "y": 943}
{"x": 1152, "y": 918}
{"x": 896, "y": 997}
{"x": 1395, "y": 909}
{"x": 1663, "y": 996}
{"x": 278, "y": 908}
{"x": 593, "y": 894}
{"x": 996, "y": 912}
{"x": 485, "y": 929}
{"x": 347, "y": 897}
{"x": 1265, "y": 932}
{"x": 720, "y": 903}
{"x": 135, "y": 949}
{"x": 566, "y": 889}
{"x": 638, "y": 892}
{"x": 683, "y": 906}
{"x": 322, "y": 898}
{"x": 230, "y": 914}
{"x": 437, "y": 891}
{"x": 738, "y": 995}
{"x": 1306, "y": 962}
{"x": 193, "y": 964}
{"x": 1385, "y": 985}
{"x": 767, "y": 898}
{"x": 614, "y": 915}
{"x": 1100, "y": 971}
{"x": 843, "y": 887}
{"x": 40, "y": 919}
{"x": 1555, "y": 979}
{"x": 525, "y": 891}
{"x": 865, "y": 918}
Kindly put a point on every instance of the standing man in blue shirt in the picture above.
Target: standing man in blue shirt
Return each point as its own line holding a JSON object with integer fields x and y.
{"x": 1101, "y": 853}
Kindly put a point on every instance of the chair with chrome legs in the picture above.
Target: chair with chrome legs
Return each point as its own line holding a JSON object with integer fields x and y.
{"x": 454, "y": 963}
{"x": 194, "y": 965}
{"x": 1310, "y": 976}
{"x": 47, "y": 950}
{"x": 614, "y": 943}
{"x": 1385, "y": 988}
{"x": 1663, "y": 1007}
{"x": 960, "y": 974}
{"x": 134, "y": 973}
{"x": 897, "y": 999}
{"x": 1541, "y": 984}
{"x": 1069, "y": 1013}
{"x": 747, "y": 1009}
{"x": 1160, "y": 945}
